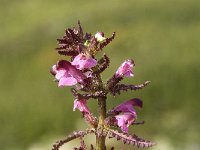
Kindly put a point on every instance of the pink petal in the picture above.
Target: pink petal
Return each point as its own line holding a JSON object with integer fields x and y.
{"x": 90, "y": 63}
{"x": 124, "y": 121}
{"x": 70, "y": 69}
{"x": 53, "y": 70}
{"x": 81, "y": 105}
{"x": 67, "y": 74}
{"x": 121, "y": 123}
{"x": 125, "y": 69}
{"x": 129, "y": 74}
{"x": 60, "y": 74}
{"x": 67, "y": 81}
{"x": 83, "y": 61}
{"x": 127, "y": 106}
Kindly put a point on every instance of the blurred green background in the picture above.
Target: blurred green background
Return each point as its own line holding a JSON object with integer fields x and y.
{"x": 162, "y": 36}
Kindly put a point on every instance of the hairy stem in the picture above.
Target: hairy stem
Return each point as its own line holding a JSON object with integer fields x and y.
{"x": 100, "y": 139}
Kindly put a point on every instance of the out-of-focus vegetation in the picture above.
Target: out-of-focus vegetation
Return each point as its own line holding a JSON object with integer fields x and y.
{"x": 162, "y": 36}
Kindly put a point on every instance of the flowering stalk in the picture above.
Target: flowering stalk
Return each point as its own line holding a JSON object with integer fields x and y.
{"x": 100, "y": 139}
{"x": 83, "y": 72}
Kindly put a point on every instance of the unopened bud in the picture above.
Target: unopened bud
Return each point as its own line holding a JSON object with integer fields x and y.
{"x": 100, "y": 36}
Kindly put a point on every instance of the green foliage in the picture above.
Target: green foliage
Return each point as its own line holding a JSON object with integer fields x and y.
{"x": 161, "y": 36}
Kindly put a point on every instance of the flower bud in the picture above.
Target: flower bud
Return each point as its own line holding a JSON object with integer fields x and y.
{"x": 81, "y": 104}
{"x": 100, "y": 36}
{"x": 125, "y": 69}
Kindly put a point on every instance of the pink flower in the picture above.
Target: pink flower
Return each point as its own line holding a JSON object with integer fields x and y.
{"x": 125, "y": 69}
{"x": 83, "y": 61}
{"x": 125, "y": 114}
{"x": 81, "y": 105}
{"x": 127, "y": 106}
{"x": 66, "y": 74}
{"x": 125, "y": 120}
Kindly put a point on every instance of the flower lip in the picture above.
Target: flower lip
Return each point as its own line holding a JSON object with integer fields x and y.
{"x": 125, "y": 120}
{"x": 66, "y": 74}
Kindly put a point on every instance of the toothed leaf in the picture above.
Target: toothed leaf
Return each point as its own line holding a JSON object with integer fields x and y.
{"x": 130, "y": 139}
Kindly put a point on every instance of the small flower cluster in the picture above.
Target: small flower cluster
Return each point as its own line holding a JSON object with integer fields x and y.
{"x": 83, "y": 73}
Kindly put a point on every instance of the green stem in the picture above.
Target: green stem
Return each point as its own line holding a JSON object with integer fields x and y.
{"x": 100, "y": 140}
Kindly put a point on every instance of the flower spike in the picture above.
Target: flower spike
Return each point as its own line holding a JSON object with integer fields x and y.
{"x": 82, "y": 70}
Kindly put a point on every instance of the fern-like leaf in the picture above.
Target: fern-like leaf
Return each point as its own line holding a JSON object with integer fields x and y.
{"x": 107, "y": 41}
{"x": 123, "y": 87}
{"x": 103, "y": 64}
{"x": 72, "y": 136}
{"x": 129, "y": 139}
